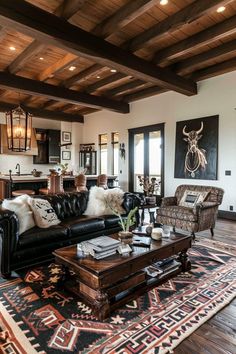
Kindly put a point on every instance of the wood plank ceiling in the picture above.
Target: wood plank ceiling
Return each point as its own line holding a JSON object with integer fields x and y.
{"x": 67, "y": 58}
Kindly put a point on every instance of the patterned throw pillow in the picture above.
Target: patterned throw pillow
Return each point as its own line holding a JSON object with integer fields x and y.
{"x": 191, "y": 198}
{"x": 44, "y": 214}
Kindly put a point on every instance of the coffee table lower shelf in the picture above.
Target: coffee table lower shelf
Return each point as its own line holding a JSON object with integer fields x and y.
{"x": 104, "y": 301}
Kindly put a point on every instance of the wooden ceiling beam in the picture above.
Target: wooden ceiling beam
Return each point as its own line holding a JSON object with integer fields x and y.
{"x": 198, "y": 75}
{"x": 126, "y": 14}
{"x": 59, "y": 116}
{"x": 81, "y": 75}
{"x": 104, "y": 82}
{"x": 188, "y": 65}
{"x": 121, "y": 18}
{"x": 69, "y": 8}
{"x": 207, "y": 36}
{"x": 41, "y": 89}
{"x": 186, "y": 15}
{"x": 214, "y": 70}
{"x": 191, "y": 64}
{"x": 28, "y": 53}
{"x": 147, "y": 92}
{"x": 47, "y": 28}
{"x": 125, "y": 87}
{"x": 61, "y": 64}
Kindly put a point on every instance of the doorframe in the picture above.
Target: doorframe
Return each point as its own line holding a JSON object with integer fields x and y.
{"x": 145, "y": 130}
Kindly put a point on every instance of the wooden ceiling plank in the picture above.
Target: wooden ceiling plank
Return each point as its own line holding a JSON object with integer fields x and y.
{"x": 49, "y": 104}
{"x": 186, "y": 15}
{"x": 69, "y": 8}
{"x": 214, "y": 70}
{"x": 81, "y": 75}
{"x": 187, "y": 65}
{"x": 36, "y": 47}
{"x": 31, "y": 51}
{"x": 59, "y": 116}
{"x": 147, "y": 92}
{"x": 41, "y": 89}
{"x": 124, "y": 87}
{"x": 121, "y": 18}
{"x": 216, "y": 32}
{"x": 48, "y": 28}
{"x": 61, "y": 64}
{"x": 106, "y": 81}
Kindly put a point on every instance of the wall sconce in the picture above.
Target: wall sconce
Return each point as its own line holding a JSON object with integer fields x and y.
{"x": 122, "y": 150}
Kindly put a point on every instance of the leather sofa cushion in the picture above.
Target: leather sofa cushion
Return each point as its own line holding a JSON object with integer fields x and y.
{"x": 177, "y": 212}
{"x": 37, "y": 235}
{"x": 83, "y": 225}
{"x": 110, "y": 220}
{"x": 67, "y": 205}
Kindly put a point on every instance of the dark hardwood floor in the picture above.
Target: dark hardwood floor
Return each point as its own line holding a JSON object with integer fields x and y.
{"x": 217, "y": 335}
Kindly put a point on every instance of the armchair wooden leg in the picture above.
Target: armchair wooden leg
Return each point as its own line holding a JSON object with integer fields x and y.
{"x": 212, "y": 231}
{"x": 6, "y": 275}
{"x": 193, "y": 236}
{"x": 173, "y": 228}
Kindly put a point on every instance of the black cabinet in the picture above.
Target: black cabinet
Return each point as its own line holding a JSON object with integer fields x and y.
{"x": 54, "y": 150}
{"x": 49, "y": 151}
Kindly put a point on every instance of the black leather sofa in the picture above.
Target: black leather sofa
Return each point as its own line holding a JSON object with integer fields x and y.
{"x": 36, "y": 245}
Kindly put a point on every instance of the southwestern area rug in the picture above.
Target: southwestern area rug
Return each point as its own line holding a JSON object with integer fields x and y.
{"x": 37, "y": 317}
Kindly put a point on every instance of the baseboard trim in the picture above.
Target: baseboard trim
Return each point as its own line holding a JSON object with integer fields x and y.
{"x": 223, "y": 214}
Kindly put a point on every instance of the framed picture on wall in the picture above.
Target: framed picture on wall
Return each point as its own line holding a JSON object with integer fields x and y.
{"x": 196, "y": 148}
{"x": 66, "y": 155}
{"x": 66, "y": 137}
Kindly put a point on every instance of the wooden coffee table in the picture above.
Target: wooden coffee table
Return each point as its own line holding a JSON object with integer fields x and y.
{"x": 106, "y": 284}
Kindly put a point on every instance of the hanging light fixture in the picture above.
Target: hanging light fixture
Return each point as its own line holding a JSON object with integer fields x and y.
{"x": 19, "y": 129}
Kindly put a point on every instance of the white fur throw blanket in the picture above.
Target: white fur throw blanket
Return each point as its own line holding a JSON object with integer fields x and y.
{"x": 100, "y": 198}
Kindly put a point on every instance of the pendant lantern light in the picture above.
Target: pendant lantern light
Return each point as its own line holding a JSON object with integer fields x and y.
{"x": 19, "y": 129}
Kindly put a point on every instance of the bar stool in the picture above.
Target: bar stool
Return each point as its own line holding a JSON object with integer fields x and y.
{"x": 19, "y": 192}
{"x": 102, "y": 181}
{"x": 55, "y": 185}
{"x": 80, "y": 183}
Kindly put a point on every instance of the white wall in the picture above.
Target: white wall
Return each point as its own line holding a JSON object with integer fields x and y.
{"x": 216, "y": 96}
{"x": 8, "y": 162}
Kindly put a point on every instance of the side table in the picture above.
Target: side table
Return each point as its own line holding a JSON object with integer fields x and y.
{"x": 150, "y": 208}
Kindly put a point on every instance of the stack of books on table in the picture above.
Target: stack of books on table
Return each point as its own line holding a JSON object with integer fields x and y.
{"x": 100, "y": 247}
{"x": 163, "y": 267}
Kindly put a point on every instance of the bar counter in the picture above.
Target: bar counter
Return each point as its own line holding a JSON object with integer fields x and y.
{"x": 35, "y": 183}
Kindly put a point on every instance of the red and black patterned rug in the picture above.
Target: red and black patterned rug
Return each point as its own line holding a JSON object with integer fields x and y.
{"x": 38, "y": 317}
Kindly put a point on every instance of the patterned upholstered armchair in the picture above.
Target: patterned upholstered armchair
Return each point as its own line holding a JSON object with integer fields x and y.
{"x": 201, "y": 216}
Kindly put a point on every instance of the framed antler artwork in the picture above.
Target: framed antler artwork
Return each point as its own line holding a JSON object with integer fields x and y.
{"x": 196, "y": 148}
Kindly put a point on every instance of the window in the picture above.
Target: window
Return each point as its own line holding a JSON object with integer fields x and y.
{"x": 115, "y": 144}
{"x": 103, "y": 153}
{"x": 146, "y": 156}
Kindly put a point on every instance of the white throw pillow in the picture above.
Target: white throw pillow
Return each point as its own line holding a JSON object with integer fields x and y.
{"x": 100, "y": 198}
{"x": 44, "y": 214}
{"x": 21, "y": 208}
{"x": 191, "y": 198}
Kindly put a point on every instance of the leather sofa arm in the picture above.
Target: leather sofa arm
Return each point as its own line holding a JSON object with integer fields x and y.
{"x": 130, "y": 201}
{"x": 168, "y": 201}
{"x": 9, "y": 234}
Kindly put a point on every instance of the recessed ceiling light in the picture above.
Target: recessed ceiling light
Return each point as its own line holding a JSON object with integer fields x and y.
{"x": 163, "y": 2}
{"x": 221, "y": 9}
{"x": 41, "y": 58}
{"x": 72, "y": 68}
{"x": 12, "y": 48}
{"x": 113, "y": 70}
{"x": 98, "y": 77}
